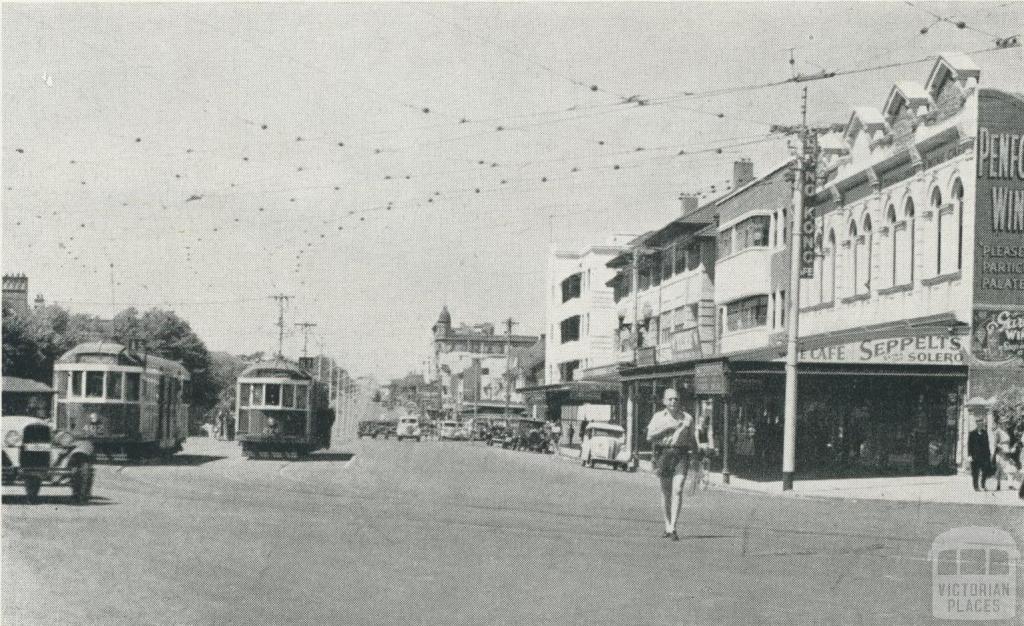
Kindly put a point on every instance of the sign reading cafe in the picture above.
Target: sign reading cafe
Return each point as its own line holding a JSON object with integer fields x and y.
{"x": 923, "y": 350}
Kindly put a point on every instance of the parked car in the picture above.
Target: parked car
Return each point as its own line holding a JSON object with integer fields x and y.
{"x": 409, "y": 428}
{"x": 33, "y": 456}
{"x": 367, "y": 428}
{"x": 606, "y": 443}
{"x": 449, "y": 430}
{"x": 499, "y": 435}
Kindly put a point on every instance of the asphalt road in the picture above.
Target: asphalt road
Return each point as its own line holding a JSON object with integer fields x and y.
{"x": 450, "y": 532}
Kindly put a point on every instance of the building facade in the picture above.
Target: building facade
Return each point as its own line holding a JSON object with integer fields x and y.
{"x": 910, "y": 317}
{"x": 474, "y": 368}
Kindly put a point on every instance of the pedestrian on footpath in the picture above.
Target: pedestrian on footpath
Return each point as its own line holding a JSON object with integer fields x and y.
{"x": 570, "y": 435}
{"x": 583, "y": 429}
{"x": 672, "y": 434}
{"x": 981, "y": 455}
{"x": 1006, "y": 450}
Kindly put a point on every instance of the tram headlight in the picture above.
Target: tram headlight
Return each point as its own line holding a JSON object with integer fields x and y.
{"x": 94, "y": 419}
{"x": 271, "y": 422}
{"x": 12, "y": 438}
{"x": 64, "y": 439}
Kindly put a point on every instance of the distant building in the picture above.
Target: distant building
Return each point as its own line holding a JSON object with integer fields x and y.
{"x": 15, "y": 298}
{"x": 470, "y": 365}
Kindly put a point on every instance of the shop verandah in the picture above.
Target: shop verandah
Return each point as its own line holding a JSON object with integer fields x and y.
{"x": 852, "y": 420}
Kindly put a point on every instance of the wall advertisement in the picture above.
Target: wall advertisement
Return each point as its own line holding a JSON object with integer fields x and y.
{"x": 906, "y": 350}
{"x": 999, "y": 206}
{"x": 998, "y": 335}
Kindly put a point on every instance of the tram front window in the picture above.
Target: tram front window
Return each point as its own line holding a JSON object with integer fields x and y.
{"x": 114, "y": 385}
{"x": 289, "y": 396}
{"x": 76, "y": 383}
{"x": 131, "y": 387}
{"x": 94, "y": 384}
{"x": 273, "y": 397}
{"x": 300, "y": 396}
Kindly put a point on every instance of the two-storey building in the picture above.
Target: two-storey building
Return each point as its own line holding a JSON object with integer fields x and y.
{"x": 916, "y": 290}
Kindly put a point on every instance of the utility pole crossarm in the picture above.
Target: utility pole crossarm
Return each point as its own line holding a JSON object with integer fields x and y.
{"x": 282, "y": 299}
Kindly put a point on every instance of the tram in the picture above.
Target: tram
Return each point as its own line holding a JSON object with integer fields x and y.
{"x": 281, "y": 409}
{"x": 123, "y": 401}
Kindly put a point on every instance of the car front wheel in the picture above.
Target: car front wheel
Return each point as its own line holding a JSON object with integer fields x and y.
{"x": 32, "y": 486}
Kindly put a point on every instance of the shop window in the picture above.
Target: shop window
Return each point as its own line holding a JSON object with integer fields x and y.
{"x": 272, "y": 395}
{"x": 76, "y": 383}
{"x": 132, "y": 386}
{"x": 114, "y": 385}
{"x": 570, "y": 329}
{"x": 94, "y": 384}
{"x": 747, "y": 313}
{"x": 571, "y": 287}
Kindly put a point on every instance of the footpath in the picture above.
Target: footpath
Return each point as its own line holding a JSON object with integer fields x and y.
{"x": 936, "y": 489}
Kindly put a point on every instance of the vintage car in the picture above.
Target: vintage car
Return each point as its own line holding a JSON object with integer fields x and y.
{"x": 526, "y": 434}
{"x": 34, "y": 455}
{"x": 499, "y": 434}
{"x": 449, "y": 430}
{"x": 408, "y": 428}
{"x": 367, "y": 428}
{"x": 606, "y": 443}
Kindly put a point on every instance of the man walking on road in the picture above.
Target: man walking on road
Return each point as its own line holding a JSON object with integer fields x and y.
{"x": 673, "y": 439}
{"x": 980, "y": 453}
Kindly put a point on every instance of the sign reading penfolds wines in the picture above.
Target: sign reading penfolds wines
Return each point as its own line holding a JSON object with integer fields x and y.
{"x": 999, "y": 208}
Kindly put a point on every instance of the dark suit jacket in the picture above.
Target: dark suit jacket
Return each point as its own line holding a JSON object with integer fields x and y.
{"x": 977, "y": 446}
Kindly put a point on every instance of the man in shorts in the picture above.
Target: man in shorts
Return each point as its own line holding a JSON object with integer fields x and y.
{"x": 673, "y": 440}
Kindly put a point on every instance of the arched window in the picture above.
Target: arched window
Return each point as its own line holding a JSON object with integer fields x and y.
{"x": 943, "y": 234}
{"x": 864, "y": 249}
{"x": 903, "y": 246}
{"x": 908, "y": 215}
{"x": 831, "y": 265}
{"x": 955, "y": 238}
{"x": 852, "y": 255}
{"x": 890, "y": 219}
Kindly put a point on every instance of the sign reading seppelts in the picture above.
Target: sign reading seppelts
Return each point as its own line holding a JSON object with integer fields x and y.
{"x": 925, "y": 349}
{"x": 999, "y": 208}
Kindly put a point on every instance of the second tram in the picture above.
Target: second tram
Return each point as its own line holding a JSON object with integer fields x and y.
{"x": 281, "y": 408}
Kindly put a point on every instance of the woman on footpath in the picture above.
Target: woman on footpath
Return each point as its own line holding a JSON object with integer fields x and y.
{"x": 673, "y": 439}
{"x": 1005, "y": 457}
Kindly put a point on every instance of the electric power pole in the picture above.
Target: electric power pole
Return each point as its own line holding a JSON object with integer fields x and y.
{"x": 805, "y": 186}
{"x": 281, "y": 300}
{"x": 508, "y": 365}
{"x": 305, "y": 326}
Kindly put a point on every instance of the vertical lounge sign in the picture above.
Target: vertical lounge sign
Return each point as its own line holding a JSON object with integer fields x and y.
{"x": 808, "y": 186}
{"x": 998, "y": 320}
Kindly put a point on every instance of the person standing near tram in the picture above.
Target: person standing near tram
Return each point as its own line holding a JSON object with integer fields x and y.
{"x": 672, "y": 433}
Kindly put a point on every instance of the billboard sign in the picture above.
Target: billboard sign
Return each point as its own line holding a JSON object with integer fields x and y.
{"x": 998, "y": 335}
{"x": 999, "y": 205}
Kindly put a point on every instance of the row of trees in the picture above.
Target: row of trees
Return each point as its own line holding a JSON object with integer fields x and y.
{"x": 33, "y": 341}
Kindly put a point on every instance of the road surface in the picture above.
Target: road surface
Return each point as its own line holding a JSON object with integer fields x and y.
{"x": 381, "y": 532}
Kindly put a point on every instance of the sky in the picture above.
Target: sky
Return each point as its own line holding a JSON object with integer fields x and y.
{"x": 378, "y": 161}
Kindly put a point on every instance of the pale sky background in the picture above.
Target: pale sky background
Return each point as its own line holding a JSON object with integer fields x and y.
{"x": 114, "y": 116}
